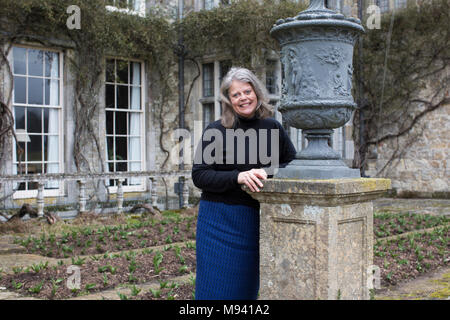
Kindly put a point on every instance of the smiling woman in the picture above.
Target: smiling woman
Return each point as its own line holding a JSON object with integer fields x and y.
{"x": 243, "y": 98}
{"x": 228, "y": 219}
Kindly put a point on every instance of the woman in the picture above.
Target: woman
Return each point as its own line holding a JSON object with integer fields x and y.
{"x": 228, "y": 220}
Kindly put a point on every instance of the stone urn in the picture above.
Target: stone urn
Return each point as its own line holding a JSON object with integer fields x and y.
{"x": 317, "y": 59}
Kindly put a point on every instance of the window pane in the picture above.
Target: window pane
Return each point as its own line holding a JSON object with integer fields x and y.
{"x": 20, "y": 155}
{"x": 52, "y": 92}
{"x": 46, "y": 112}
{"x": 208, "y": 4}
{"x": 51, "y": 64}
{"x": 34, "y": 168}
{"x": 109, "y": 122}
{"x": 208, "y": 114}
{"x": 122, "y": 71}
{"x": 121, "y": 123}
{"x": 20, "y": 89}
{"x": 121, "y": 166}
{"x": 109, "y": 96}
{"x": 121, "y": 148}
{"x": 19, "y": 117}
{"x": 135, "y": 98}
{"x": 34, "y": 148}
{"x": 34, "y": 120}
{"x": 135, "y": 124}
{"x": 35, "y": 91}
{"x": 51, "y": 121}
{"x": 122, "y": 97}
{"x": 271, "y": 80}
{"x": 51, "y": 152}
{"x": 35, "y": 62}
{"x": 110, "y": 146}
{"x": 110, "y": 71}
{"x": 135, "y": 73}
{"x": 20, "y": 60}
{"x": 208, "y": 80}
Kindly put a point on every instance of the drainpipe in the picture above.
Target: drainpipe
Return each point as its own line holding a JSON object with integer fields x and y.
{"x": 362, "y": 155}
{"x": 181, "y": 97}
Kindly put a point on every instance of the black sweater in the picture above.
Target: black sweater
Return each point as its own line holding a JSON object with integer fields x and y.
{"x": 217, "y": 177}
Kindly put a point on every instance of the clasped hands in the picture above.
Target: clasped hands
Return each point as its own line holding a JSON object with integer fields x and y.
{"x": 251, "y": 178}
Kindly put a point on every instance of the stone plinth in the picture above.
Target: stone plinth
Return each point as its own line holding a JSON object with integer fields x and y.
{"x": 316, "y": 237}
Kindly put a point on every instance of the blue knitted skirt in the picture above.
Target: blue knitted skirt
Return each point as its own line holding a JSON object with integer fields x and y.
{"x": 227, "y": 244}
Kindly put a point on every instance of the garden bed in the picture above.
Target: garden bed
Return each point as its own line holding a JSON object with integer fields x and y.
{"x": 388, "y": 224}
{"x": 89, "y": 247}
{"x": 407, "y": 257}
{"x": 133, "y": 235}
{"x": 98, "y": 274}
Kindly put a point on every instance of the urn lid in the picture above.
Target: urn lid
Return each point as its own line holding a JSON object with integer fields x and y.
{"x": 317, "y": 15}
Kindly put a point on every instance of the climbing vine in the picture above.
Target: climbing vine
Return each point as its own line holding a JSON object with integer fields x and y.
{"x": 404, "y": 77}
{"x": 419, "y": 46}
{"x": 240, "y": 29}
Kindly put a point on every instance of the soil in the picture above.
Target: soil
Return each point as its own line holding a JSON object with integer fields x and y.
{"x": 388, "y": 224}
{"x": 84, "y": 240}
{"x": 407, "y": 258}
{"x": 89, "y": 241}
{"x": 181, "y": 292}
{"x": 102, "y": 274}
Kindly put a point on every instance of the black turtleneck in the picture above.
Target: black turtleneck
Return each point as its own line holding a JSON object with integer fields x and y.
{"x": 218, "y": 180}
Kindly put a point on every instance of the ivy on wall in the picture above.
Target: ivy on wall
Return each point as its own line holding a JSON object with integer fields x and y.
{"x": 102, "y": 33}
{"x": 405, "y": 75}
{"x": 241, "y": 29}
{"x": 418, "y": 46}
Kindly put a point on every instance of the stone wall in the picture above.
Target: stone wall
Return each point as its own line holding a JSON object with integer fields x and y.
{"x": 423, "y": 168}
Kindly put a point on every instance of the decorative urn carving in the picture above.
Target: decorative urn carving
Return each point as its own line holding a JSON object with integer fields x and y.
{"x": 317, "y": 59}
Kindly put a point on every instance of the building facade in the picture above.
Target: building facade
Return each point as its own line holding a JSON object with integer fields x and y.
{"x": 129, "y": 127}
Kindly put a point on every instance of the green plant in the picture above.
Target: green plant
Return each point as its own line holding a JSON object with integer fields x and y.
{"x": 16, "y": 285}
{"x": 37, "y": 288}
{"x": 78, "y": 261}
{"x": 39, "y": 266}
{"x": 135, "y": 290}
{"x": 90, "y": 286}
{"x": 157, "y": 260}
{"x": 155, "y": 292}
{"x": 122, "y": 296}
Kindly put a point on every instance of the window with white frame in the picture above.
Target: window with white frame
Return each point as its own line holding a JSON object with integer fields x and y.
{"x": 127, "y": 6}
{"x": 212, "y": 75}
{"x": 124, "y": 118}
{"x": 37, "y": 107}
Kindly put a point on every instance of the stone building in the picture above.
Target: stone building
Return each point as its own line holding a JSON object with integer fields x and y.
{"x": 129, "y": 128}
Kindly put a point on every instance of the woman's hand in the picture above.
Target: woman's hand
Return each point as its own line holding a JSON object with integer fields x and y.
{"x": 251, "y": 178}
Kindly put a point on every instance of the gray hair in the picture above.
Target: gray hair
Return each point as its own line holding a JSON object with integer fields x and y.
{"x": 263, "y": 109}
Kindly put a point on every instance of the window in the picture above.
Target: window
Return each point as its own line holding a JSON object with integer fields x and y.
{"x": 400, "y": 4}
{"x": 37, "y": 109}
{"x": 136, "y": 7}
{"x": 271, "y": 77}
{"x": 124, "y": 117}
{"x": 208, "y": 80}
{"x": 208, "y": 4}
{"x": 384, "y": 5}
{"x": 208, "y": 114}
{"x": 212, "y": 75}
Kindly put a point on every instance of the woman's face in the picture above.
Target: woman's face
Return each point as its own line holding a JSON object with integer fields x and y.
{"x": 243, "y": 98}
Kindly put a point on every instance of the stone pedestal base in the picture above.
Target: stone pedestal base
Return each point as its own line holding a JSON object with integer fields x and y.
{"x": 316, "y": 237}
